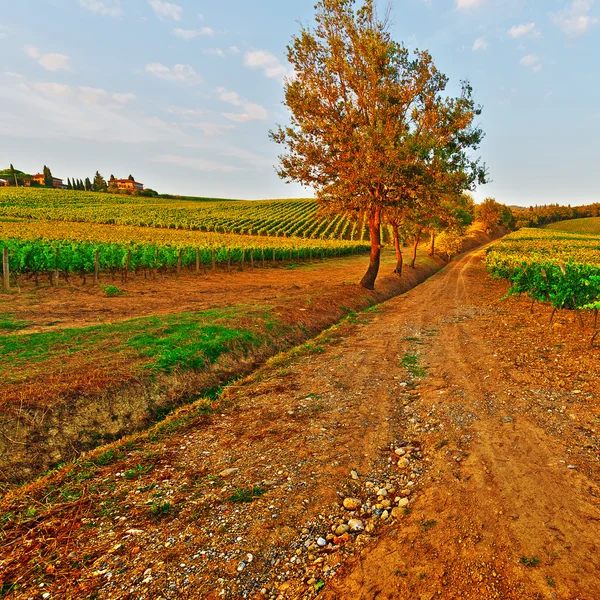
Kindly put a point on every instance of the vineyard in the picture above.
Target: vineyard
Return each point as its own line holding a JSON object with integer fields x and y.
{"x": 560, "y": 269}
{"x": 65, "y": 248}
{"x": 590, "y": 226}
{"x": 278, "y": 218}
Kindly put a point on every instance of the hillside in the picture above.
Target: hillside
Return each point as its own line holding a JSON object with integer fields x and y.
{"x": 589, "y": 225}
{"x": 261, "y": 217}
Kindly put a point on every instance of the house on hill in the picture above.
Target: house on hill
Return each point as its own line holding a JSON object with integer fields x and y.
{"x": 128, "y": 184}
{"x": 56, "y": 182}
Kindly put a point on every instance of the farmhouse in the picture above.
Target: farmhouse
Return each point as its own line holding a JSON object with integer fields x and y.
{"x": 57, "y": 183}
{"x": 3, "y": 183}
{"x": 128, "y": 184}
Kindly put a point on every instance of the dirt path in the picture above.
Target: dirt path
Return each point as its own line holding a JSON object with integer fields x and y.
{"x": 491, "y": 417}
{"x": 500, "y": 487}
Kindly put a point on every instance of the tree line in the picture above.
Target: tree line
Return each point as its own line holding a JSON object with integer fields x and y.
{"x": 97, "y": 184}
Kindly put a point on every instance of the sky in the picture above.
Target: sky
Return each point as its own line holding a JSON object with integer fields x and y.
{"x": 182, "y": 94}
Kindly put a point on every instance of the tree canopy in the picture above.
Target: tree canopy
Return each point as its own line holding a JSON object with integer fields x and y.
{"x": 370, "y": 130}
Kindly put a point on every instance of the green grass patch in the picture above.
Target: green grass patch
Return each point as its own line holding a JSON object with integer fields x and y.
{"x": 9, "y": 323}
{"x": 529, "y": 562}
{"x": 411, "y": 363}
{"x": 110, "y": 291}
{"x": 164, "y": 343}
{"x": 241, "y": 496}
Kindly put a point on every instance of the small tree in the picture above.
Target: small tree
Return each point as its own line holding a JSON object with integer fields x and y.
{"x": 131, "y": 177}
{"x": 48, "y": 179}
{"x": 449, "y": 243}
{"x": 14, "y": 175}
{"x": 69, "y": 185}
{"x": 99, "y": 183}
{"x": 489, "y": 212}
{"x": 88, "y": 185}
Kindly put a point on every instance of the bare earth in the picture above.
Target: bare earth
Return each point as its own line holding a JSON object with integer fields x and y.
{"x": 496, "y": 436}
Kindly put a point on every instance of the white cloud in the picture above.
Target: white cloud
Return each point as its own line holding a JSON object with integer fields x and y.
{"x": 4, "y": 31}
{"x": 479, "y": 45}
{"x": 468, "y": 4}
{"x": 182, "y": 73}
{"x": 123, "y": 98}
{"x": 210, "y": 129}
{"x": 100, "y": 7}
{"x": 531, "y": 62}
{"x": 199, "y": 164}
{"x": 13, "y": 74}
{"x": 186, "y": 113}
{"x": 50, "y": 62}
{"x": 190, "y": 34}
{"x": 270, "y": 65}
{"x": 518, "y": 31}
{"x": 252, "y": 112}
{"x": 575, "y": 19}
{"x": 213, "y": 52}
{"x": 49, "y": 111}
{"x": 54, "y": 89}
{"x": 166, "y": 10}
{"x": 91, "y": 95}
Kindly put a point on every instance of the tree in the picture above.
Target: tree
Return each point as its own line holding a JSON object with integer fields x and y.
{"x": 99, "y": 183}
{"x": 14, "y": 175}
{"x": 69, "y": 185}
{"x": 48, "y": 179}
{"x": 369, "y": 131}
{"x": 350, "y": 104}
{"x": 88, "y": 185}
{"x": 131, "y": 177}
{"x": 489, "y": 212}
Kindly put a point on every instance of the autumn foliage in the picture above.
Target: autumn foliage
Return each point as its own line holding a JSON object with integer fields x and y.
{"x": 370, "y": 129}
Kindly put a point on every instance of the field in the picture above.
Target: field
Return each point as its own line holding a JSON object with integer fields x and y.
{"x": 590, "y": 225}
{"x": 220, "y": 441}
{"x": 561, "y": 269}
{"x": 453, "y": 430}
{"x": 275, "y": 218}
{"x": 134, "y": 321}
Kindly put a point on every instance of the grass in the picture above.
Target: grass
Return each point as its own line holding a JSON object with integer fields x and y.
{"x": 529, "y": 562}
{"x": 166, "y": 343}
{"x": 427, "y": 525}
{"x": 589, "y": 225}
{"x": 411, "y": 363}
{"x": 9, "y": 323}
{"x": 110, "y": 291}
{"x": 241, "y": 495}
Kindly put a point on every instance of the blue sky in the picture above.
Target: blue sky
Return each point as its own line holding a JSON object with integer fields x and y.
{"x": 183, "y": 93}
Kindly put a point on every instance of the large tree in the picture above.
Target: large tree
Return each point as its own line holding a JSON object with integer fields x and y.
{"x": 369, "y": 130}
{"x": 352, "y": 100}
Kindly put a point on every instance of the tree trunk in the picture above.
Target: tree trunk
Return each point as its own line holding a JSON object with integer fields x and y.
{"x": 432, "y": 244}
{"x": 415, "y": 246}
{"x": 368, "y": 281}
{"x": 399, "y": 257}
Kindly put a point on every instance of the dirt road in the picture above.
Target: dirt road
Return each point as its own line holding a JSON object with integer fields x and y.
{"x": 460, "y": 431}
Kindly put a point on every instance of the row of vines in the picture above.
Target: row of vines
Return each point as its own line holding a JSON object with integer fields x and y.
{"x": 559, "y": 269}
